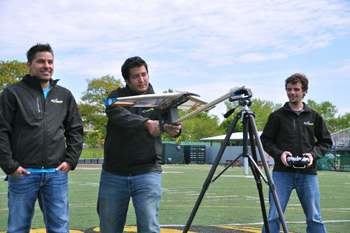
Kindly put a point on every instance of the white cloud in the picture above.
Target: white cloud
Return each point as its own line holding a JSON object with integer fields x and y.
{"x": 256, "y": 57}
{"x": 200, "y": 46}
{"x": 207, "y": 31}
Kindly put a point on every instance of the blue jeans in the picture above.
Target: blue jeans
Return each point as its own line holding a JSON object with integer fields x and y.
{"x": 51, "y": 189}
{"x": 114, "y": 196}
{"x": 306, "y": 186}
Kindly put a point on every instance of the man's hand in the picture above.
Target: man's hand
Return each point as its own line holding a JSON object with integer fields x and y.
{"x": 65, "y": 167}
{"x": 153, "y": 127}
{"x": 20, "y": 171}
{"x": 284, "y": 158}
{"x": 172, "y": 130}
{"x": 311, "y": 159}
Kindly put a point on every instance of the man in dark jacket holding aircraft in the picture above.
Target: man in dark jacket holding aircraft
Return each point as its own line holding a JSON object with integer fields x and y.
{"x": 132, "y": 164}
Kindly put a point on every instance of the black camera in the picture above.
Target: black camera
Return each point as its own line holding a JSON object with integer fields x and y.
{"x": 298, "y": 162}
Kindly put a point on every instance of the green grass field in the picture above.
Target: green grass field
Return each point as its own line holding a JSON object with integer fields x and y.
{"x": 89, "y": 153}
{"x": 232, "y": 199}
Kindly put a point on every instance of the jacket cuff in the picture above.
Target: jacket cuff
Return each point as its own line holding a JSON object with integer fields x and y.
{"x": 70, "y": 162}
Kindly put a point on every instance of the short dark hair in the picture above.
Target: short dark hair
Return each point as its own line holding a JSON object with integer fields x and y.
{"x": 297, "y": 77}
{"x": 38, "y": 48}
{"x": 130, "y": 63}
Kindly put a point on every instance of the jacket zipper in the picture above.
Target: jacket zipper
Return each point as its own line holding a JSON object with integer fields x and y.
{"x": 38, "y": 104}
{"x": 45, "y": 127}
{"x": 294, "y": 126}
{"x": 44, "y": 132}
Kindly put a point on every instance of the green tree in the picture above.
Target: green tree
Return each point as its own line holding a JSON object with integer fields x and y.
{"x": 92, "y": 107}
{"x": 339, "y": 123}
{"x": 196, "y": 127}
{"x": 90, "y": 114}
{"x": 168, "y": 91}
{"x": 225, "y": 124}
{"x": 202, "y": 125}
{"x": 98, "y": 89}
{"x": 11, "y": 72}
{"x": 326, "y": 109}
{"x": 261, "y": 108}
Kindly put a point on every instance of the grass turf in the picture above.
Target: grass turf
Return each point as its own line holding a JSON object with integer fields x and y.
{"x": 232, "y": 199}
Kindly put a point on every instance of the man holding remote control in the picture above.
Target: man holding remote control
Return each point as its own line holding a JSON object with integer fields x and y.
{"x": 289, "y": 137}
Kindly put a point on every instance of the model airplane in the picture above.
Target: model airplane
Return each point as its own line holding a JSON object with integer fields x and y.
{"x": 233, "y": 93}
{"x": 166, "y": 105}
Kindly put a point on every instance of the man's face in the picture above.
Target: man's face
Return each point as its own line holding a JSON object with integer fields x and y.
{"x": 42, "y": 66}
{"x": 138, "y": 80}
{"x": 295, "y": 93}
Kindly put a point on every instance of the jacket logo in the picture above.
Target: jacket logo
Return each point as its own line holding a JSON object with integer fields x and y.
{"x": 308, "y": 123}
{"x": 56, "y": 101}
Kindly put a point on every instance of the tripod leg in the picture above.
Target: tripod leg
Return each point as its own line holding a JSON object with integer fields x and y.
{"x": 252, "y": 163}
{"x": 228, "y": 166}
{"x": 211, "y": 173}
{"x": 259, "y": 186}
{"x": 267, "y": 172}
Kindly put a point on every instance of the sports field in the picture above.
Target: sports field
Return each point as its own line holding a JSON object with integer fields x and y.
{"x": 231, "y": 203}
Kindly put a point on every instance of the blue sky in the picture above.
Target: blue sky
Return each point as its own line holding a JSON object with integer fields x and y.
{"x": 205, "y": 47}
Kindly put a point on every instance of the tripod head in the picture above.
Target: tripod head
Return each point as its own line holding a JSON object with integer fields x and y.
{"x": 243, "y": 96}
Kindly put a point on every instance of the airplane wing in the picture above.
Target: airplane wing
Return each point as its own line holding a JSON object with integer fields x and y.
{"x": 193, "y": 103}
{"x": 183, "y": 100}
{"x": 210, "y": 105}
{"x": 166, "y": 105}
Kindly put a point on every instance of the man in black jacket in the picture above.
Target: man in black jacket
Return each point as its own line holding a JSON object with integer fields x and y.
{"x": 132, "y": 162}
{"x": 290, "y": 132}
{"x": 41, "y": 138}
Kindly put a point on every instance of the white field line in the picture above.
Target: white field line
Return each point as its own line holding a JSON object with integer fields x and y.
{"x": 257, "y": 223}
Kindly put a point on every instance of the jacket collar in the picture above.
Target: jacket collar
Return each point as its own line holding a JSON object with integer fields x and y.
{"x": 33, "y": 81}
{"x": 306, "y": 108}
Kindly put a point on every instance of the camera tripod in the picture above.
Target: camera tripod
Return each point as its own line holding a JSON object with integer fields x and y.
{"x": 249, "y": 127}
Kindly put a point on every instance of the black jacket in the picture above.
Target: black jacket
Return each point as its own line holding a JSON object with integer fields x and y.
{"x": 38, "y": 133}
{"x": 287, "y": 131}
{"x": 129, "y": 149}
